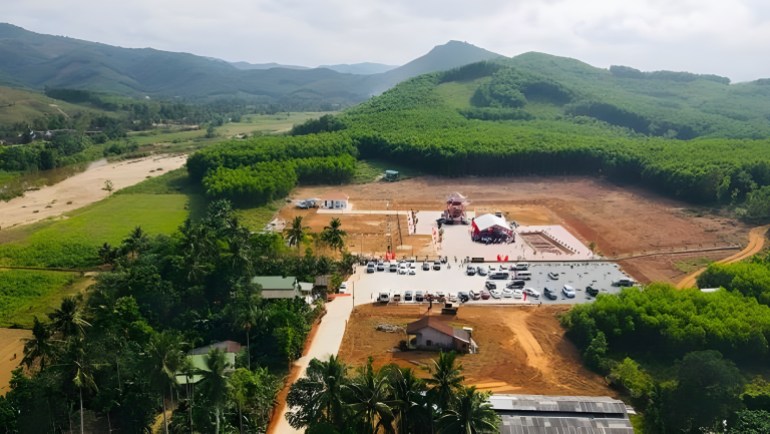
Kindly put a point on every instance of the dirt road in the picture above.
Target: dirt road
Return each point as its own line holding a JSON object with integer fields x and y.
{"x": 11, "y": 353}
{"x": 757, "y": 237}
{"x": 83, "y": 188}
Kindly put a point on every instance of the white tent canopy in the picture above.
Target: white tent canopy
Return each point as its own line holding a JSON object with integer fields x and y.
{"x": 488, "y": 221}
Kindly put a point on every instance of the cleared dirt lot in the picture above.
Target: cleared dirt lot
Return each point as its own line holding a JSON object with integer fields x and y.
{"x": 11, "y": 343}
{"x": 522, "y": 349}
{"x": 620, "y": 220}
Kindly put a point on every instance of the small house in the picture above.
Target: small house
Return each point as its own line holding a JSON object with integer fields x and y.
{"x": 275, "y": 287}
{"x": 198, "y": 361}
{"x": 391, "y": 175}
{"x": 335, "y": 201}
{"x": 431, "y": 333}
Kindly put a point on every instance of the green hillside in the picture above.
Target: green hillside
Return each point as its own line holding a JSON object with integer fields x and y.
{"x": 694, "y": 137}
{"x": 17, "y": 105}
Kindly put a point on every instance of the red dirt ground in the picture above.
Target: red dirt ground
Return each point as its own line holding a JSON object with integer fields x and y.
{"x": 521, "y": 349}
{"x": 620, "y": 220}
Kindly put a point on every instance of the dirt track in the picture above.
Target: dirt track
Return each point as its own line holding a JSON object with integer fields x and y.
{"x": 11, "y": 343}
{"x": 757, "y": 237}
{"x": 522, "y": 350}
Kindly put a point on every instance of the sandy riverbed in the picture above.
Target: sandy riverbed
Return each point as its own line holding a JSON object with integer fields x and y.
{"x": 83, "y": 189}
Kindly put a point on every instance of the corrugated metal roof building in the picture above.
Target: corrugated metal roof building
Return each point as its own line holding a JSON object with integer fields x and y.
{"x": 541, "y": 414}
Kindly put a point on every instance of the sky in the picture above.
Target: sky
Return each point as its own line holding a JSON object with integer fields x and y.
{"x": 728, "y": 38}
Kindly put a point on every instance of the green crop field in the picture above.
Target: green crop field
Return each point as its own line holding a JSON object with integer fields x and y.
{"x": 26, "y": 293}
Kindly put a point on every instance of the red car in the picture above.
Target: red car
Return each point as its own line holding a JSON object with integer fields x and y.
{"x": 485, "y": 294}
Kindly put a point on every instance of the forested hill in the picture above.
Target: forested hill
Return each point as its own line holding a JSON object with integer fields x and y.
{"x": 38, "y": 61}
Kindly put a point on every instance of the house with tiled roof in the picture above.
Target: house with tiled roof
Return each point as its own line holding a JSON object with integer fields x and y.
{"x": 432, "y": 333}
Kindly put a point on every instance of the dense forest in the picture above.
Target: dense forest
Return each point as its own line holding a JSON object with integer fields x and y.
{"x": 677, "y": 353}
{"x": 112, "y": 357}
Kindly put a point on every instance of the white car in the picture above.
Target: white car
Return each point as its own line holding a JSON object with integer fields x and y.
{"x": 412, "y": 272}
{"x": 517, "y": 293}
{"x": 507, "y": 293}
{"x": 343, "y": 289}
{"x": 568, "y": 291}
{"x": 532, "y": 292}
{"x": 402, "y": 269}
{"x": 496, "y": 294}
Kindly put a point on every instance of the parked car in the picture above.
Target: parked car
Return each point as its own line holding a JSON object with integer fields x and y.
{"x": 437, "y": 265}
{"x": 384, "y": 297}
{"x": 474, "y": 294}
{"x": 485, "y": 294}
{"x": 490, "y": 285}
{"x": 593, "y": 292}
{"x": 393, "y": 267}
{"x": 524, "y": 275}
{"x": 370, "y": 267}
{"x": 343, "y": 289}
{"x": 518, "y": 293}
{"x": 452, "y": 298}
{"x": 553, "y": 276}
{"x": 397, "y": 297}
{"x": 425, "y": 266}
{"x": 507, "y": 293}
{"x": 568, "y": 291}
{"x": 380, "y": 266}
{"x": 550, "y": 294}
{"x": 521, "y": 266}
{"x": 419, "y": 296}
{"x": 408, "y": 296}
{"x": 471, "y": 270}
{"x": 499, "y": 275}
{"x": 482, "y": 270}
{"x": 412, "y": 272}
{"x": 532, "y": 292}
{"x": 503, "y": 267}
{"x": 516, "y": 284}
{"x": 495, "y": 293}
{"x": 463, "y": 296}
{"x": 625, "y": 283}
{"x": 402, "y": 269}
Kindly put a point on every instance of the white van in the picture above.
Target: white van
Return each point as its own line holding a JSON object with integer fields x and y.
{"x": 524, "y": 275}
{"x": 522, "y": 266}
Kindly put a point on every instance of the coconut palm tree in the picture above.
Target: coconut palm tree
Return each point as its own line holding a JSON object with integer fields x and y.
{"x": 370, "y": 399}
{"x": 333, "y": 236}
{"x": 164, "y": 359}
{"x": 67, "y": 319}
{"x": 39, "y": 348}
{"x": 246, "y": 314}
{"x": 296, "y": 232}
{"x": 317, "y": 398}
{"x": 412, "y": 412}
{"x": 445, "y": 380}
{"x": 214, "y": 383}
{"x": 471, "y": 413}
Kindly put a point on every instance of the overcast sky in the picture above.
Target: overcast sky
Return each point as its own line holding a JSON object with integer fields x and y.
{"x": 725, "y": 37}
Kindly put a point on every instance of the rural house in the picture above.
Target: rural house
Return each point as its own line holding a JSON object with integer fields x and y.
{"x": 198, "y": 361}
{"x": 335, "y": 201}
{"x": 274, "y": 287}
{"x": 431, "y": 333}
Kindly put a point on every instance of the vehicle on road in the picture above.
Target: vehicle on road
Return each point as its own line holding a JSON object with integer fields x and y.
{"x": 343, "y": 289}
{"x": 419, "y": 296}
{"x": 408, "y": 296}
{"x": 532, "y": 292}
{"x": 384, "y": 297}
{"x": 550, "y": 294}
{"x": 484, "y": 294}
{"x": 471, "y": 270}
{"x": 568, "y": 291}
{"x": 553, "y": 276}
{"x": 425, "y": 266}
{"x": 490, "y": 285}
{"x": 482, "y": 270}
{"x": 592, "y": 291}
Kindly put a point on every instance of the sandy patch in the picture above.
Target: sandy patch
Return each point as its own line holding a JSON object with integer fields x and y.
{"x": 83, "y": 188}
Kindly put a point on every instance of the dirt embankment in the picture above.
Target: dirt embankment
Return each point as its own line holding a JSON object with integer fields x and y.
{"x": 11, "y": 353}
{"x": 83, "y": 188}
{"x": 521, "y": 349}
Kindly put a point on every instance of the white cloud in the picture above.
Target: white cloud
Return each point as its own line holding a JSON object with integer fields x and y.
{"x": 707, "y": 36}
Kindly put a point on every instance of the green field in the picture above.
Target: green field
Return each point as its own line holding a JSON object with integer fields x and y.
{"x": 371, "y": 170}
{"x": 24, "y": 294}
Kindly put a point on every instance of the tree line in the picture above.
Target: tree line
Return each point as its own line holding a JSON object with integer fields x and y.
{"x": 389, "y": 399}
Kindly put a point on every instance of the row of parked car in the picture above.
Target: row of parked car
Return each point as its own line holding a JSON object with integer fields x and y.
{"x": 403, "y": 267}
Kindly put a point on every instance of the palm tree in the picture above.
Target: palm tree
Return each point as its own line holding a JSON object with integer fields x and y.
{"x": 67, "y": 319}
{"x": 471, "y": 413}
{"x": 83, "y": 378}
{"x": 333, "y": 236}
{"x": 413, "y": 414}
{"x": 165, "y": 359}
{"x": 318, "y": 396}
{"x": 295, "y": 233}
{"x": 136, "y": 242}
{"x": 214, "y": 383}
{"x": 370, "y": 398}
{"x": 445, "y": 380}
{"x": 39, "y": 348}
{"x": 246, "y": 314}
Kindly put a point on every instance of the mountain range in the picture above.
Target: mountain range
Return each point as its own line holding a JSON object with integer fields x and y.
{"x": 37, "y": 61}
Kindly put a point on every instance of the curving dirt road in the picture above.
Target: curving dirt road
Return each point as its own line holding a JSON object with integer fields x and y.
{"x": 756, "y": 244}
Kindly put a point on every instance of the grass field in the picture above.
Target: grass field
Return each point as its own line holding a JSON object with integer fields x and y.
{"x": 371, "y": 170}
{"x": 24, "y": 294}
